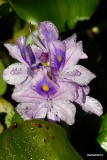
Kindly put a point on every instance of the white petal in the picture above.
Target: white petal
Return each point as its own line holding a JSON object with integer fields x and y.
{"x": 78, "y": 74}
{"x": 67, "y": 91}
{"x": 23, "y": 109}
{"x": 39, "y": 111}
{"x": 73, "y": 54}
{"x": 65, "y": 111}
{"x": 70, "y": 41}
{"x": 14, "y": 52}
{"x": 15, "y": 74}
{"x": 93, "y": 106}
{"x": 32, "y": 110}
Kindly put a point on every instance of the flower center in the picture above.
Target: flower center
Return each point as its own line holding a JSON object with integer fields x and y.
{"x": 45, "y": 87}
{"x": 59, "y": 58}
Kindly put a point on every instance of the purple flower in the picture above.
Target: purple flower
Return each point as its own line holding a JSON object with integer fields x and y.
{"x": 50, "y": 80}
{"x": 43, "y": 97}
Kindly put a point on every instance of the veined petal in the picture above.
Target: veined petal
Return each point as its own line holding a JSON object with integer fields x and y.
{"x": 93, "y": 106}
{"x": 67, "y": 91}
{"x": 82, "y": 92}
{"x": 57, "y": 51}
{"x": 21, "y": 43}
{"x": 71, "y": 41}
{"x": 65, "y": 111}
{"x": 14, "y": 52}
{"x": 39, "y": 111}
{"x": 74, "y": 54}
{"x": 27, "y": 95}
{"x": 26, "y": 51}
{"x": 47, "y": 32}
{"x": 43, "y": 85}
{"x": 32, "y": 110}
{"x": 15, "y": 74}
{"x": 78, "y": 74}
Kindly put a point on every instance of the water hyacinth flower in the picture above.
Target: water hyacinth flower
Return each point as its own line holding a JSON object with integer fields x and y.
{"x": 57, "y": 85}
{"x": 46, "y": 98}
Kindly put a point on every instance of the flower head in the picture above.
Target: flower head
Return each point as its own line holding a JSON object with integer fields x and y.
{"x": 50, "y": 79}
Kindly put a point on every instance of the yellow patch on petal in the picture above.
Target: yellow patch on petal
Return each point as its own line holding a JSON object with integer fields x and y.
{"x": 45, "y": 87}
{"x": 59, "y": 58}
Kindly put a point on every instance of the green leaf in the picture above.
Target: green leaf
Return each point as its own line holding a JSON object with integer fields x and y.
{"x": 102, "y": 136}
{"x": 3, "y": 85}
{"x": 36, "y": 140}
{"x": 1, "y": 128}
{"x": 6, "y": 107}
{"x": 62, "y": 13}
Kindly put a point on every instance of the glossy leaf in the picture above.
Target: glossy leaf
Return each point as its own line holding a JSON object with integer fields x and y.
{"x": 3, "y": 84}
{"x": 36, "y": 140}
{"x": 62, "y": 13}
{"x": 102, "y": 136}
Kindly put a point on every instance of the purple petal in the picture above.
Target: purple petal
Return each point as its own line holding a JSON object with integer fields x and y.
{"x": 65, "y": 111}
{"x": 31, "y": 57}
{"x": 15, "y": 74}
{"x": 57, "y": 51}
{"x": 26, "y": 52}
{"x": 93, "y": 106}
{"x": 21, "y": 43}
{"x": 78, "y": 74}
{"x": 47, "y": 32}
{"x": 27, "y": 95}
{"x": 44, "y": 85}
{"x": 14, "y": 52}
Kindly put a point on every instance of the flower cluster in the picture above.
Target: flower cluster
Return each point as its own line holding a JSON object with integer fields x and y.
{"x": 48, "y": 81}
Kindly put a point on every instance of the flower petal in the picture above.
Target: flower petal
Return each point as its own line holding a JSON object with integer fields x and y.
{"x": 92, "y": 105}
{"x": 71, "y": 41}
{"x": 23, "y": 109}
{"x": 57, "y": 51}
{"x": 78, "y": 74}
{"x": 27, "y": 95}
{"x": 73, "y": 54}
{"x": 32, "y": 110}
{"x": 15, "y": 74}
{"x": 67, "y": 91}
{"x": 26, "y": 51}
{"x": 81, "y": 94}
{"x": 14, "y": 52}
{"x": 47, "y": 32}
{"x": 44, "y": 85}
{"x": 65, "y": 111}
